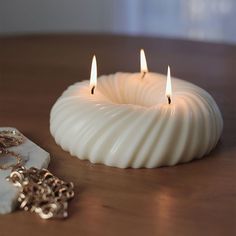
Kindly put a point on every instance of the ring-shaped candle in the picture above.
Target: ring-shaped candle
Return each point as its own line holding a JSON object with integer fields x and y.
{"x": 128, "y": 122}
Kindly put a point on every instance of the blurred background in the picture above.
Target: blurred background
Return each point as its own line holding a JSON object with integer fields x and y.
{"x": 204, "y": 20}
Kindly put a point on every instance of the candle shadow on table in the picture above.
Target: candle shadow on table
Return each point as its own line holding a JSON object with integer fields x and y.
{"x": 220, "y": 153}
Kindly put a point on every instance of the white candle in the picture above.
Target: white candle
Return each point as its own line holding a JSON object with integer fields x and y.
{"x": 130, "y": 121}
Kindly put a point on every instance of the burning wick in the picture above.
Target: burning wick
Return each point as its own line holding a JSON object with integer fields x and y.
{"x": 169, "y": 100}
{"x": 168, "y": 86}
{"x": 143, "y": 75}
{"x": 93, "y": 75}
{"x": 143, "y": 63}
{"x": 92, "y": 90}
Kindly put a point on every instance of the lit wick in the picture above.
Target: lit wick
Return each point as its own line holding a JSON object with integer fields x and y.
{"x": 169, "y": 100}
{"x": 143, "y": 63}
{"x": 168, "y": 86}
{"x": 93, "y": 75}
{"x": 92, "y": 90}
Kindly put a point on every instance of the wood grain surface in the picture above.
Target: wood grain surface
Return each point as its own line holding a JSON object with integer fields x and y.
{"x": 198, "y": 198}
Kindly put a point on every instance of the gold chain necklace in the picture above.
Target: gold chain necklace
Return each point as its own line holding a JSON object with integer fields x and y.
{"x": 39, "y": 190}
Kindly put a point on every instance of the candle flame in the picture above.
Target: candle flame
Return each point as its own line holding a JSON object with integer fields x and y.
{"x": 143, "y": 62}
{"x": 93, "y": 75}
{"x": 168, "y": 86}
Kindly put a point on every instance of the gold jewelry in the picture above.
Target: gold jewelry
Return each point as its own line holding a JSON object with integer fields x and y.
{"x": 10, "y": 138}
{"x": 42, "y": 192}
{"x": 19, "y": 160}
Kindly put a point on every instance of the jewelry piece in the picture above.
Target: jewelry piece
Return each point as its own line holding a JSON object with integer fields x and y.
{"x": 39, "y": 190}
{"x": 10, "y": 138}
{"x": 19, "y": 160}
{"x": 42, "y": 192}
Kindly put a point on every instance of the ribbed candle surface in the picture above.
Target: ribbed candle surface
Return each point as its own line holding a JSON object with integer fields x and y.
{"x": 128, "y": 122}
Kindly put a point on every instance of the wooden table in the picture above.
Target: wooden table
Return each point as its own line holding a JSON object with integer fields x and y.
{"x": 198, "y": 198}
